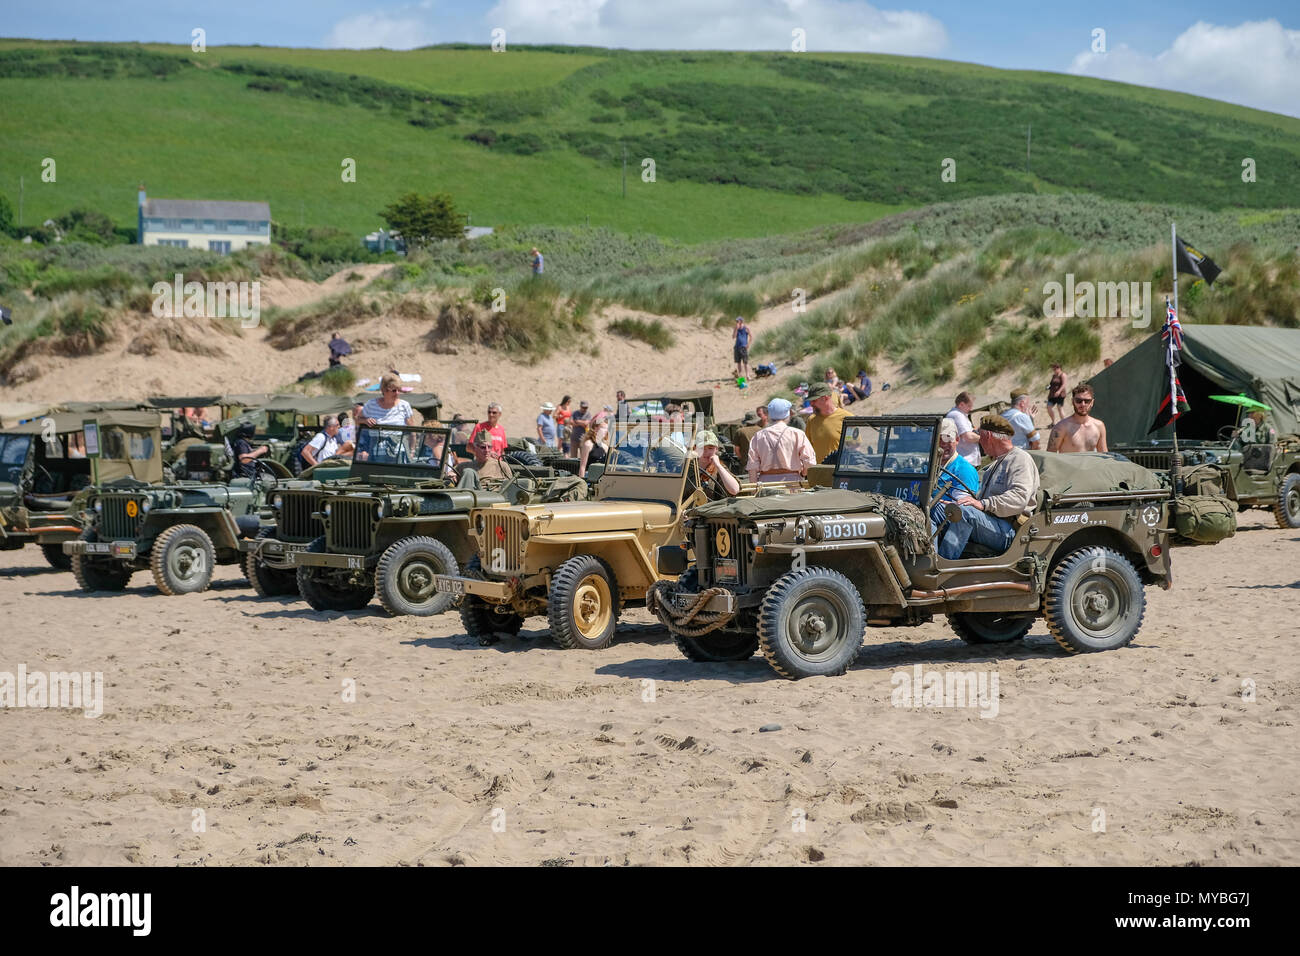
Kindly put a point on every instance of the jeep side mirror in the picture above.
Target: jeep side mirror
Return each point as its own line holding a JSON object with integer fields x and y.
{"x": 670, "y": 559}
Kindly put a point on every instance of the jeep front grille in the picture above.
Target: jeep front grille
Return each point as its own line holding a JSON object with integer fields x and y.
{"x": 114, "y": 523}
{"x": 503, "y": 542}
{"x": 738, "y": 547}
{"x": 1156, "y": 459}
{"x": 351, "y": 525}
{"x": 198, "y": 459}
{"x": 294, "y": 521}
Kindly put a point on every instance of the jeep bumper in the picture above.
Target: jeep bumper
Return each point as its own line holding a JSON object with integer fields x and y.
{"x": 497, "y": 591}
{"x": 125, "y": 550}
{"x": 326, "y": 559}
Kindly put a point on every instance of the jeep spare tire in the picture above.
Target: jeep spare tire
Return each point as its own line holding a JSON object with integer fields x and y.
{"x": 405, "y": 573}
{"x": 583, "y": 604}
{"x": 811, "y": 624}
{"x": 182, "y": 560}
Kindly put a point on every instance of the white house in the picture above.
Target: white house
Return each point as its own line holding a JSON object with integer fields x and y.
{"x": 215, "y": 225}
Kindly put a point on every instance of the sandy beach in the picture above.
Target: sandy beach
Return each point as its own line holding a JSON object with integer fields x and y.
{"x": 226, "y": 738}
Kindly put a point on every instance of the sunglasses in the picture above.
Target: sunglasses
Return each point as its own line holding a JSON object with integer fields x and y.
{"x": 392, "y": 390}
{"x": 1083, "y": 401}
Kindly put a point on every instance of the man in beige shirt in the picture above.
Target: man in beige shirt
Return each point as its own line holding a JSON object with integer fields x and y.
{"x": 1008, "y": 489}
{"x": 779, "y": 452}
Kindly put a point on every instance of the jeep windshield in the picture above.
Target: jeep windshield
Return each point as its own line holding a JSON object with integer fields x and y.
{"x": 404, "y": 449}
{"x": 13, "y": 455}
{"x": 886, "y": 449}
{"x": 643, "y": 447}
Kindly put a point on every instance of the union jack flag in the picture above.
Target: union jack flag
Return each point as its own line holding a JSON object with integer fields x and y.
{"x": 1174, "y": 402}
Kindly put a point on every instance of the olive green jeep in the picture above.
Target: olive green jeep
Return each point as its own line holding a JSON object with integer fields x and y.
{"x": 49, "y": 465}
{"x": 400, "y": 518}
{"x": 801, "y": 575}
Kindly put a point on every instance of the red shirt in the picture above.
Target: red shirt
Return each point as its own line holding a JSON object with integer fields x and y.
{"x": 498, "y": 436}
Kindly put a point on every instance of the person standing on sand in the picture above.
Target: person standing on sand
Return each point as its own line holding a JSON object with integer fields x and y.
{"x": 1056, "y": 393}
{"x": 740, "y": 351}
{"x": 779, "y": 452}
{"x": 1079, "y": 432}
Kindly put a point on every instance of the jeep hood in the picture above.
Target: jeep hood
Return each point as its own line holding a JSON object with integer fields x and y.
{"x": 575, "y": 517}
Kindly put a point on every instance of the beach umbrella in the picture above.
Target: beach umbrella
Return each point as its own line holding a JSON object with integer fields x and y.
{"x": 340, "y": 346}
{"x": 1243, "y": 401}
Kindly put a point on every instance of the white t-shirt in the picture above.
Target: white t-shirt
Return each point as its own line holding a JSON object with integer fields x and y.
{"x": 970, "y": 450}
{"x": 397, "y": 415}
{"x": 323, "y": 446}
{"x": 1023, "y": 424}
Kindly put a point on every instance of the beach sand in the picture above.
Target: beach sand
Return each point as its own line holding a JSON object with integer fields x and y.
{"x": 225, "y": 738}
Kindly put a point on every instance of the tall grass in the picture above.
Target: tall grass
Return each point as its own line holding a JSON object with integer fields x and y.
{"x": 654, "y": 333}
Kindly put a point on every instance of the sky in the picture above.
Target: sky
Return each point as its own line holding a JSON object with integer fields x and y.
{"x": 1247, "y": 52}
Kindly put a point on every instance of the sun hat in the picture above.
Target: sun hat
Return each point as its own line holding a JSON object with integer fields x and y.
{"x": 548, "y": 406}
{"x": 778, "y": 409}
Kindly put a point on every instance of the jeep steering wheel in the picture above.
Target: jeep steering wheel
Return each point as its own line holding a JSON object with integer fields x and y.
{"x": 1229, "y": 432}
{"x": 37, "y": 472}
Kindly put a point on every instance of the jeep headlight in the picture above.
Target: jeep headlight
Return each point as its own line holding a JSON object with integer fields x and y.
{"x": 755, "y": 539}
{"x": 275, "y": 502}
{"x": 479, "y": 524}
{"x": 379, "y": 510}
{"x": 326, "y": 509}
{"x": 144, "y": 505}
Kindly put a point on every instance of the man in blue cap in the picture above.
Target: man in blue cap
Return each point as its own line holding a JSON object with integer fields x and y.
{"x": 779, "y": 452}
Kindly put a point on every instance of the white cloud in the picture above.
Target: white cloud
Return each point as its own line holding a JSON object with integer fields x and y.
{"x": 1254, "y": 64}
{"x": 400, "y": 30}
{"x": 840, "y": 25}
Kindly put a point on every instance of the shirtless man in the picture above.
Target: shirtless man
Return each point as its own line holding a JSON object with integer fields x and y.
{"x": 1080, "y": 431}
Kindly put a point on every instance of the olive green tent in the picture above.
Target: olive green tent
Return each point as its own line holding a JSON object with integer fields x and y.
{"x": 1262, "y": 363}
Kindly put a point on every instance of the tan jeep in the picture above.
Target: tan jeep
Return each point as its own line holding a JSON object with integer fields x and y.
{"x": 581, "y": 562}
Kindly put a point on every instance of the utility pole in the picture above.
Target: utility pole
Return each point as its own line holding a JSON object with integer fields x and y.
{"x": 625, "y": 172}
{"x": 1029, "y": 139}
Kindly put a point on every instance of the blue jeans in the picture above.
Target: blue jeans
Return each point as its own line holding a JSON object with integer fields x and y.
{"x": 975, "y": 525}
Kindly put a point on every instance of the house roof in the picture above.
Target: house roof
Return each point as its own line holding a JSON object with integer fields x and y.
{"x": 206, "y": 209}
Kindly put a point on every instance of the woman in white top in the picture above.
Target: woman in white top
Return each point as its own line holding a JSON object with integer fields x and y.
{"x": 387, "y": 409}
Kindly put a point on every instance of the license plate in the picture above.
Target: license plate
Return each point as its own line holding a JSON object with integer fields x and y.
{"x": 124, "y": 550}
{"x": 289, "y": 547}
{"x": 98, "y": 547}
{"x": 449, "y": 585}
{"x": 725, "y": 569}
{"x": 684, "y": 599}
{"x": 356, "y": 562}
{"x": 200, "y": 475}
{"x": 274, "y": 547}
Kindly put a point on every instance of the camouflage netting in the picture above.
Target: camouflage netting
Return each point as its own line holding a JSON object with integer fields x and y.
{"x": 906, "y": 526}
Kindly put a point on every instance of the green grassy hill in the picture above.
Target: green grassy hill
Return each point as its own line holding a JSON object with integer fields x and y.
{"x": 744, "y": 144}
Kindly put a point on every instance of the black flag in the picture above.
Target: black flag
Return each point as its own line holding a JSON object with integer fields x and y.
{"x": 1196, "y": 263}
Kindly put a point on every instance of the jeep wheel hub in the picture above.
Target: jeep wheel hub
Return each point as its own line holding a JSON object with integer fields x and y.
{"x": 416, "y": 582}
{"x": 816, "y": 624}
{"x": 1099, "y": 603}
{"x": 188, "y": 562}
{"x": 592, "y": 606}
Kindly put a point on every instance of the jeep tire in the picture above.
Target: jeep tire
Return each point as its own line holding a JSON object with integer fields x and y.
{"x": 1287, "y": 509}
{"x": 404, "y": 577}
{"x": 56, "y": 558}
{"x": 1094, "y": 601}
{"x": 182, "y": 560}
{"x": 322, "y": 594}
{"x": 991, "y": 627}
{"x": 583, "y": 604}
{"x": 480, "y": 619}
{"x": 94, "y": 573}
{"x": 811, "y": 624}
{"x": 268, "y": 581}
{"x": 716, "y": 646}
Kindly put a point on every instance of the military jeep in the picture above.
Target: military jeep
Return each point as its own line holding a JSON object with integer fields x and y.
{"x": 179, "y": 531}
{"x": 579, "y": 563}
{"x": 801, "y": 575}
{"x": 1253, "y": 474}
{"x": 400, "y": 518}
{"x": 48, "y": 466}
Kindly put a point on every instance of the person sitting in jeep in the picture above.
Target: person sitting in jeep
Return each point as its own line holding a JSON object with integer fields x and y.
{"x": 717, "y": 481}
{"x": 1006, "y": 492}
{"x": 243, "y": 453}
{"x": 958, "y": 476}
{"x": 486, "y": 463}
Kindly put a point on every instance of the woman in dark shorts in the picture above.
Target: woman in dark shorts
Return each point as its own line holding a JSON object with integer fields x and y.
{"x": 1056, "y": 390}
